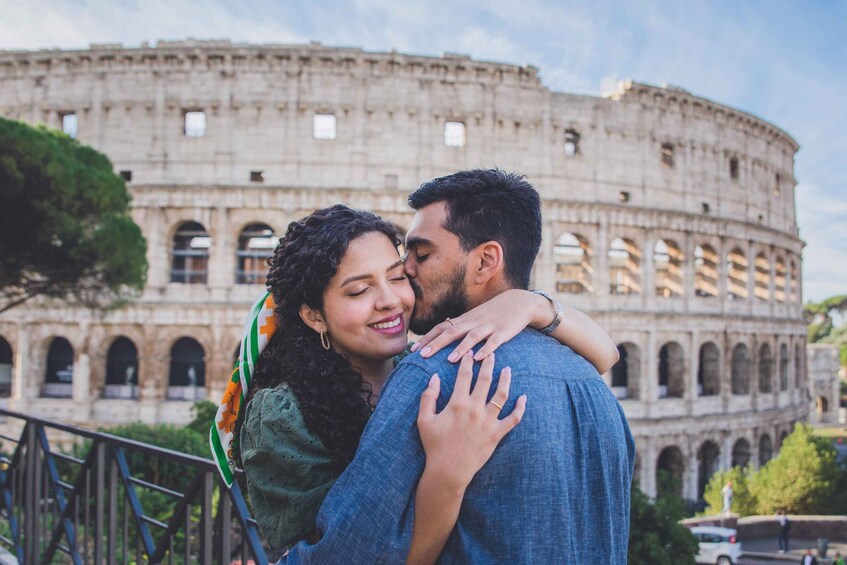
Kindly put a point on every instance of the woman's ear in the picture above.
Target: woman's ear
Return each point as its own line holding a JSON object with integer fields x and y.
{"x": 312, "y": 318}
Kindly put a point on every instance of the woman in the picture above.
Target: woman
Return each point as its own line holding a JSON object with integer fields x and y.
{"x": 343, "y": 304}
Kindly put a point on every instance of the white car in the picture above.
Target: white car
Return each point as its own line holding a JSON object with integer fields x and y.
{"x": 717, "y": 545}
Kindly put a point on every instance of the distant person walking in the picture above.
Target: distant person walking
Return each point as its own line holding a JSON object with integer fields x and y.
{"x": 809, "y": 559}
{"x": 726, "y": 492}
{"x": 784, "y": 525}
{"x": 838, "y": 560}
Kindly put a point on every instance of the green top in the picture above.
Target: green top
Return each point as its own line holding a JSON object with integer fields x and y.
{"x": 289, "y": 470}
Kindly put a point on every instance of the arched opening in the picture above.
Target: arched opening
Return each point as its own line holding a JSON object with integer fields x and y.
{"x": 667, "y": 263}
{"x": 783, "y": 367}
{"x": 6, "y": 364}
{"x": 736, "y": 263}
{"x": 798, "y": 366}
{"x": 779, "y": 282}
{"x": 573, "y": 264}
{"x": 741, "y": 453}
{"x": 625, "y": 373}
{"x": 821, "y": 405}
{"x": 187, "y": 374}
{"x": 624, "y": 267}
{"x": 740, "y": 371}
{"x": 121, "y": 369}
{"x": 705, "y": 271}
{"x": 58, "y": 380}
{"x": 762, "y": 289}
{"x": 765, "y": 368}
{"x": 765, "y": 449}
{"x": 255, "y": 244}
{"x": 709, "y": 370}
{"x": 794, "y": 273}
{"x": 782, "y": 435}
{"x": 670, "y": 469}
{"x": 190, "y": 264}
{"x": 671, "y": 371}
{"x": 707, "y": 458}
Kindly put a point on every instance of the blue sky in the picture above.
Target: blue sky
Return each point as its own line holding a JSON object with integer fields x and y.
{"x": 784, "y": 61}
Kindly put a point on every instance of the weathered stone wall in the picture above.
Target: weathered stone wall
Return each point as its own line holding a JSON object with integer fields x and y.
{"x": 730, "y": 186}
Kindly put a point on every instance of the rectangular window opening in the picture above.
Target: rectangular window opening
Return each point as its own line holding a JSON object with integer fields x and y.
{"x": 69, "y": 124}
{"x": 126, "y": 175}
{"x": 195, "y": 123}
{"x": 667, "y": 155}
{"x": 623, "y": 196}
{"x": 256, "y": 176}
{"x": 571, "y": 143}
{"x": 324, "y": 126}
{"x": 455, "y": 134}
{"x": 706, "y": 208}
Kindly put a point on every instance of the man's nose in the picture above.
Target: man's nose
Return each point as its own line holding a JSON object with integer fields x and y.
{"x": 409, "y": 266}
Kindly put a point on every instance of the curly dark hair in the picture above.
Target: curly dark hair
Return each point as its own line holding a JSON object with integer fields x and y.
{"x": 333, "y": 397}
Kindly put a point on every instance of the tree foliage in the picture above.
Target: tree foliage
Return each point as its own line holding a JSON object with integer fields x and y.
{"x": 821, "y": 326}
{"x": 65, "y": 230}
{"x": 655, "y": 535}
{"x": 803, "y": 479}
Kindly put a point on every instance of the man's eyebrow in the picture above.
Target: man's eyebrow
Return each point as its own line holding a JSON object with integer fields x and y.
{"x": 413, "y": 242}
{"x": 355, "y": 278}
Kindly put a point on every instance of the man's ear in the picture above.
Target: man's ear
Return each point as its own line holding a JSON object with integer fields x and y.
{"x": 312, "y": 318}
{"x": 486, "y": 262}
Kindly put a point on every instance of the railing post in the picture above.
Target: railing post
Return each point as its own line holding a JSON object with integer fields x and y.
{"x": 113, "y": 511}
{"x": 30, "y": 503}
{"x": 225, "y": 518}
{"x": 206, "y": 521}
{"x": 99, "y": 497}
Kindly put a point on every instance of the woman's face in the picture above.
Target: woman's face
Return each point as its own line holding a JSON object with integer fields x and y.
{"x": 368, "y": 303}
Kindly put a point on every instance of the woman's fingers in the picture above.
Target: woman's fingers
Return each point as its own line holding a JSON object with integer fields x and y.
{"x": 483, "y": 380}
{"x": 501, "y": 395}
{"x": 428, "y": 398}
{"x": 508, "y": 423}
{"x": 431, "y": 335}
{"x": 463, "y": 378}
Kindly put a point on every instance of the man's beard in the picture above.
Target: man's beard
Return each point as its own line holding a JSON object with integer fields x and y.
{"x": 452, "y": 303}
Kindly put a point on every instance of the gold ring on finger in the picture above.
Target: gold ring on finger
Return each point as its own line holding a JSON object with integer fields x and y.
{"x": 499, "y": 406}
{"x": 451, "y": 322}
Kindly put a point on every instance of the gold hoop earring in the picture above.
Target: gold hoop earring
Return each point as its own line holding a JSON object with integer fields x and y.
{"x": 325, "y": 339}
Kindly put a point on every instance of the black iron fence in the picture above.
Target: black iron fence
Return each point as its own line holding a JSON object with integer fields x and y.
{"x": 105, "y": 499}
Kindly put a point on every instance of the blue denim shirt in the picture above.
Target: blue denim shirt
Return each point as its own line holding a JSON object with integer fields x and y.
{"x": 556, "y": 489}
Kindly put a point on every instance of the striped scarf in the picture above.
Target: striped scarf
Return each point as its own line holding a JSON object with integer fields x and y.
{"x": 260, "y": 327}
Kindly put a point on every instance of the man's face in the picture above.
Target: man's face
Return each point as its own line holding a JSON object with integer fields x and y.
{"x": 436, "y": 265}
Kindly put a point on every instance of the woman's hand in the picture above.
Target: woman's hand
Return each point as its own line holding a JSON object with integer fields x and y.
{"x": 495, "y": 321}
{"x": 462, "y": 437}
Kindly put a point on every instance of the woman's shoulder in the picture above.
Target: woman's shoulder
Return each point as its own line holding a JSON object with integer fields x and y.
{"x": 275, "y": 413}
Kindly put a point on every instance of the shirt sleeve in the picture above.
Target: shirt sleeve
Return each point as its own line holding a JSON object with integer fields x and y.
{"x": 289, "y": 471}
{"x": 367, "y": 516}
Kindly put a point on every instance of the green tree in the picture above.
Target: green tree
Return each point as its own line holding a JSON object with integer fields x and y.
{"x": 655, "y": 534}
{"x": 203, "y": 414}
{"x": 65, "y": 229}
{"x": 743, "y": 502}
{"x": 802, "y": 479}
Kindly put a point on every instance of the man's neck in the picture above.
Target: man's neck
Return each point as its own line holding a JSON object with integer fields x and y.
{"x": 485, "y": 294}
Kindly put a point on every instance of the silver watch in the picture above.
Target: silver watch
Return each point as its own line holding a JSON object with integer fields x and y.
{"x": 560, "y": 313}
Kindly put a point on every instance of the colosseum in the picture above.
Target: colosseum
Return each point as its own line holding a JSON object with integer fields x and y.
{"x": 668, "y": 217}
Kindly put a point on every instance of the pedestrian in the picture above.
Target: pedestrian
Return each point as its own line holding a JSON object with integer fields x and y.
{"x": 726, "y": 492}
{"x": 784, "y": 525}
{"x": 808, "y": 559}
{"x": 838, "y": 560}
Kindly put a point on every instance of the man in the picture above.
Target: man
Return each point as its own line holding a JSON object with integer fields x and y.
{"x": 557, "y": 488}
{"x": 784, "y": 525}
{"x": 809, "y": 558}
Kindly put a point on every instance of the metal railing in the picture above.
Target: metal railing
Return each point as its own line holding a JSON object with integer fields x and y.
{"x": 107, "y": 499}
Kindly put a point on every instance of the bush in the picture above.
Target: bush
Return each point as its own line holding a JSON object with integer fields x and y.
{"x": 743, "y": 502}
{"x": 656, "y": 536}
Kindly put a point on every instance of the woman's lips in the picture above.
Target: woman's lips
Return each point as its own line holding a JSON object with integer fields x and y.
{"x": 390, "y": 326}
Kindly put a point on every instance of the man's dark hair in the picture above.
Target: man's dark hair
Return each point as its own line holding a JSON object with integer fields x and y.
{"x": 490, "y": 205}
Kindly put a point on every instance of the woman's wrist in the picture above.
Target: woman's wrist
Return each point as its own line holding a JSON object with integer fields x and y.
{"x": 544, "y": 311}
{"x": 445, "y": 477}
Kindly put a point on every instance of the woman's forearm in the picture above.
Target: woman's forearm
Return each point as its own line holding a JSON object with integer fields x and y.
{"x": 580, "y": 333}
{"x": 437, "y": 505}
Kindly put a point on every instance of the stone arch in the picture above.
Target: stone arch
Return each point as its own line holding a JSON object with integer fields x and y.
{"x": 671, "y": 371}
{"x": 741, "y": 453}
{"x": 765, "y": 368}
{"x": 821, "y": 405}
{"x": 736, "y": 269}
{"x": 190, "y": 247}
{"x": 740, "y": 369}
{"x": 798, "y": 365}
{"x": 572, "y": 254}
{"x": 783, "y": 367}
{"x": 779, "y": 279}
{"x": 667, "y": 264}
{"x": 7, "y": 363}
{"x": 624, "y": 267}
{"x": 762, "y": 288}
{"x": 627, "y": 371}
{"x": 121, "y": 369}
{"x": 765, "y": 449}
{"x": 709, "y": 370}
{"x": 256, "y": 243}
{"x": 671, "y": 464}
{"x": 794, "y": 281}
{"x": 58, "y": 379}
{"x": 708, "y": 463}
{"x": 705, "y": 271}
{"x": 187, "y": 372}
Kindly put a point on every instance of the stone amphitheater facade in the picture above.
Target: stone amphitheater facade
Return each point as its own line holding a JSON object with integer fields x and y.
{"x": 668, "y": 217}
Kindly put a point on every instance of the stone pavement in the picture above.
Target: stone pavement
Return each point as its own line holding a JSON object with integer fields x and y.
{"x": 766, "y": 550}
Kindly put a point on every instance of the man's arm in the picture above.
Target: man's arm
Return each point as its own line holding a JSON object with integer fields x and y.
{"x": 367, "y": 517}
